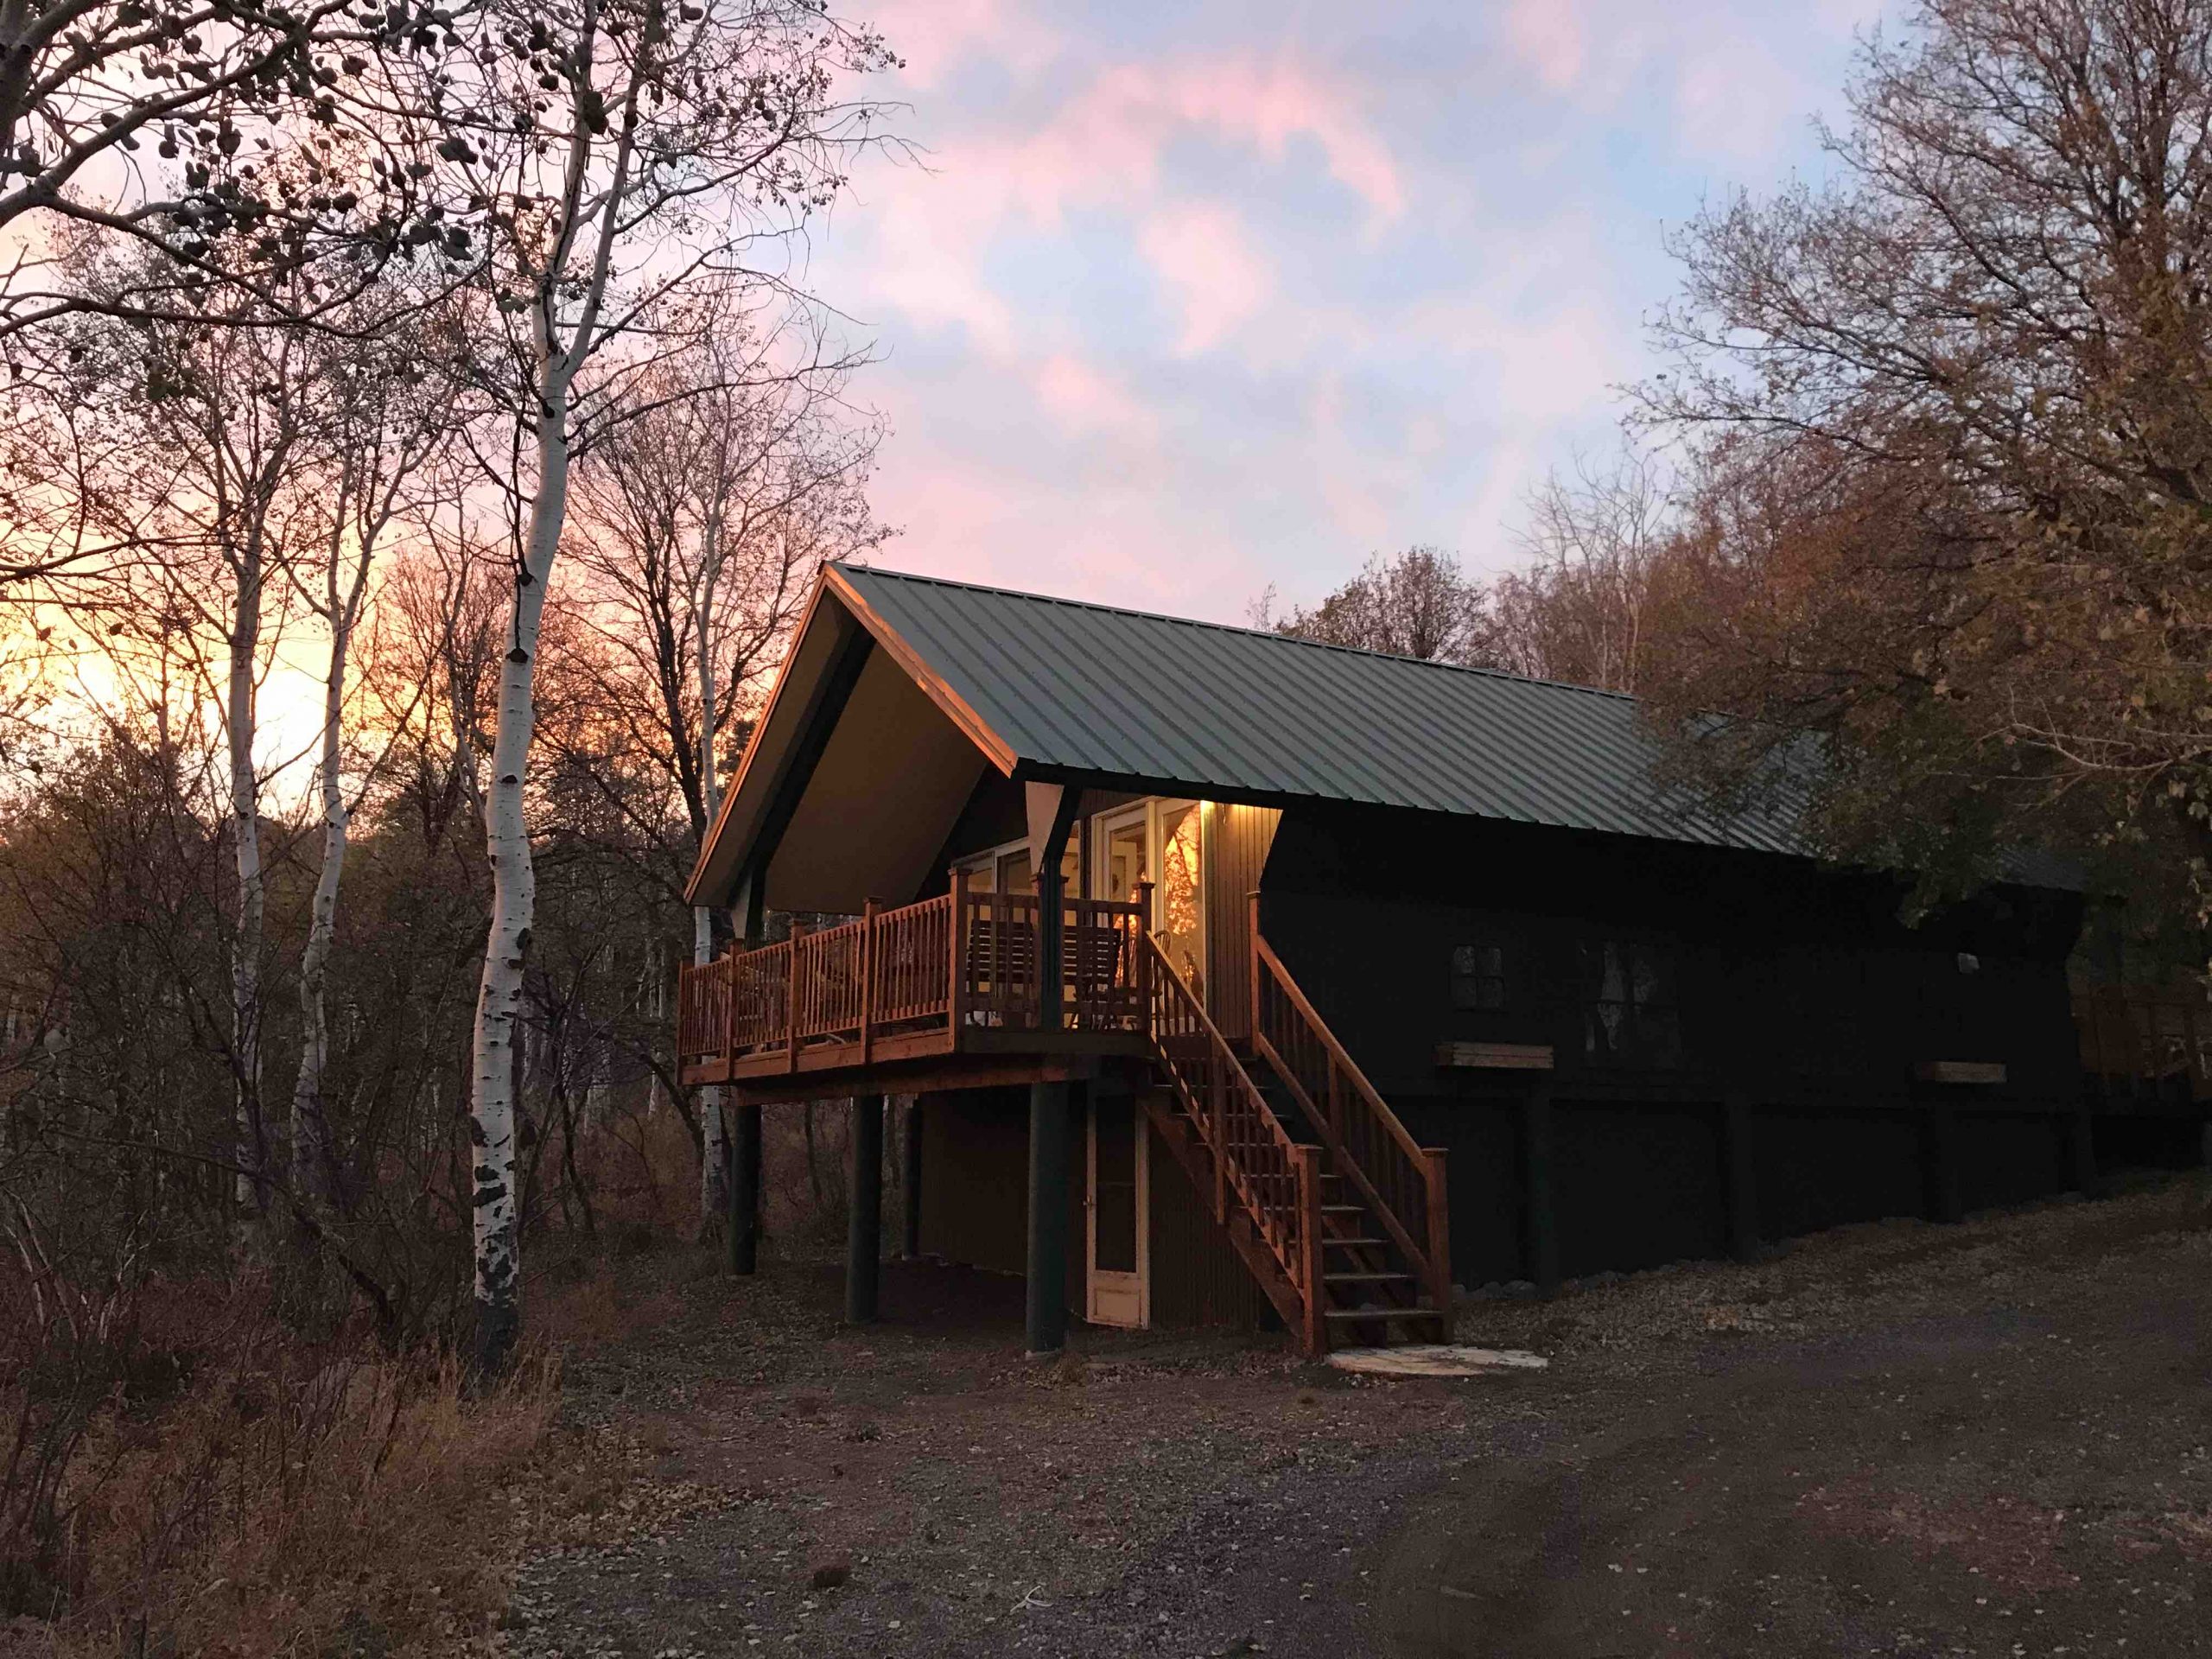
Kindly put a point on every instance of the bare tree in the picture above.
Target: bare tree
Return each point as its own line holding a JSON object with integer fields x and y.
{"x": 699, "y": 527}
{"x": 387, "y": 424}
{"x": 1417, "y": 603}
{"x": 1595, "y": 541}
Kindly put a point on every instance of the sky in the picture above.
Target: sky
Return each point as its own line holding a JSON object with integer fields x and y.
{"x": 1179, "y": 301}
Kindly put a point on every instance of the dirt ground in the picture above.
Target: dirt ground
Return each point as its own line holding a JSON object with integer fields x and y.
{"x": 1984, "y": 1438}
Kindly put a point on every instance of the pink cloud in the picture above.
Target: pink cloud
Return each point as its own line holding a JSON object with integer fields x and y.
{"x": 932, "y": 37}
{"x": 1085, "y": 400}
{"x": 1548, "y": 35}
{"x": 1201, "y": 252}
{"x": 1106, "y": 143}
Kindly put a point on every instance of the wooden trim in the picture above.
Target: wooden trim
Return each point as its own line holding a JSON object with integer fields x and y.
{"x": 1495, "y": 1057}
{"x": 956, "y": 707}
{"x": 956, "y": 992}
{"x": 753, "y": 740}
{"x": 1980, "y": 1073}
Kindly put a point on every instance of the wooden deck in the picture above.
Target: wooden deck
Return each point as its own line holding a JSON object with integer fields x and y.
{"x": 897, "y": 992}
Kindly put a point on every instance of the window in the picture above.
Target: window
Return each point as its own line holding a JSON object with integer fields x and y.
{"x": 1478, "y": 975}
{"x": 1631, "y": 1016}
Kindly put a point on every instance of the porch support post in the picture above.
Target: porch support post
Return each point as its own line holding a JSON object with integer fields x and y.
{"x": 1541, "y": 1240}
{"x": 749, "y": 915}
{"x": 1939, "y": 1161}
{"x": 864, "y": 1229}
{"x": 1047, "y": 1261}
{"x": 744, "y": 1229}
{"x": 2081, "y": 1147}
{"x": 1052, "y": 816}
{"x": 1739, "y": 1176}
{"x": 909, "y": 1177}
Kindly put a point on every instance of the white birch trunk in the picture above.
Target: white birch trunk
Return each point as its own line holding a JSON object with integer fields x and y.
{"x": 514, "y": 897}
{"x": 314, "y": 1169}
{"x": 714, "y": 1151}
{"x": 245, "y": 826}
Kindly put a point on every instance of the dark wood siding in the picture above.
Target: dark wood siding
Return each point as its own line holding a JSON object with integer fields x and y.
{"x": 1238, "y": 841}
{"x": 1196, "y": 1277}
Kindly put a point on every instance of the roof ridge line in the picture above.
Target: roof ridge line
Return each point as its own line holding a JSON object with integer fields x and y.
{"x": 1231, "y": 628}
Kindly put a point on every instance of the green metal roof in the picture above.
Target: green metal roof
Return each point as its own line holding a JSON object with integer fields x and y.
{"x": 1204, "y": 708}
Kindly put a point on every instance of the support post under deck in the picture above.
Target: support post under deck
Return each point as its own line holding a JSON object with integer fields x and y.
{"x": 864, "y": 1227}
{"x": 744, "y": 1195}
{"x": 1047, "y": 1259}
{"x": 1541, "y": 1242}
{"x": 909, "y": 1177}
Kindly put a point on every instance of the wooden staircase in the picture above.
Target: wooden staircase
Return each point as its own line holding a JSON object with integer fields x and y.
{"x": 1349, "y": 1254}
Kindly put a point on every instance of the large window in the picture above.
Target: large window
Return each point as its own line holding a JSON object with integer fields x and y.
{"x": 1631, "y": 1013}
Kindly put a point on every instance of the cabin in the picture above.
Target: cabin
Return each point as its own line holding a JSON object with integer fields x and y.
{"x": 1238, "y": 979}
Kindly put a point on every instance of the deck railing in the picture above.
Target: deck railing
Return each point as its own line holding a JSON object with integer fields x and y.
{"x": 1401, "y": 1180}
{"x": 895, "y": 973}
{"x": 1257, "y": 1168}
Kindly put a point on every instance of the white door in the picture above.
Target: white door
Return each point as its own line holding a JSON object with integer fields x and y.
{"x": 1115, "y": 1289}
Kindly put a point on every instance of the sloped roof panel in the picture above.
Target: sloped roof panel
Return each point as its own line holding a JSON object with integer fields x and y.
{"x": 1090, "y": 689}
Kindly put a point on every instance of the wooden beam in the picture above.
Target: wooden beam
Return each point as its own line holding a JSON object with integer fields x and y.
{"x": 1740, "y": 1178}
{"x": 1981, "y": 1073}
{"x": 864, "y": 1217}
{"x": 1539, "y": 1223}
{"x": 945, "y": 1073}
{"x": 744, "y": 1187}
{"x": 910, "y": 1179}
{"x": 1495, "y": 1057}
{"x": 1046, "y": 1260}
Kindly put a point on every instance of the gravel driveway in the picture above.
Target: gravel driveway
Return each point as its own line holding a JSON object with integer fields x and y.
{"x": 1986, "y": 1438}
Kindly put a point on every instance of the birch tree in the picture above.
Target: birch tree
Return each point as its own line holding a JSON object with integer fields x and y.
{"x": 386, "y": 428}
{"x": 630, "y": 155}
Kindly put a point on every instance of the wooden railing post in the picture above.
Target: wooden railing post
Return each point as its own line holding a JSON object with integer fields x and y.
{"x": 1217, "y": 1093}
{"x": 791, "y": 1001}
{"x": 729, "y": 1004}
{"x": 1314, "y": 1338}
{"x": 867, "y": 981}
{"x": 1439, "y": 1237}
{"x": 1252, "y": 965}
{"x": 956, "y": 992}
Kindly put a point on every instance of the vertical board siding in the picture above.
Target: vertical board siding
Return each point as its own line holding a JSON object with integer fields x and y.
{"x": 1196, "y": 1277}
{"x": 1237, "y": 841}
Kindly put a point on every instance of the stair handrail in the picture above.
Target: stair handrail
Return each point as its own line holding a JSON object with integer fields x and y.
{"x": 1428, "y": 1250}
{"x": 1262, "y": 1167}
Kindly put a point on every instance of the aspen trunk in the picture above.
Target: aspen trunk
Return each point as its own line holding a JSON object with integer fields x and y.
{"x": 313, "y": 1162}
{"x": 491, "y": 1114}
{"x": 714, "y": 1162}
{"x": 714, "y": 1154}
{"x": 250, "y": 1188}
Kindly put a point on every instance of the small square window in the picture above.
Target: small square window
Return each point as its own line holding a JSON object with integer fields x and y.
{"x": 1478, "y": 975}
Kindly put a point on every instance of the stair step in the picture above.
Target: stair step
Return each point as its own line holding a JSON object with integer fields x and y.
{"x": 1347, "y": 1313}
{"x": 1355, "y": 1243}
{"x": 1343, "y": 1209}
{"x": 1367, "y": 1278}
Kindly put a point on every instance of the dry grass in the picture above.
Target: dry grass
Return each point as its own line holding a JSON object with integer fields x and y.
{"x": 287, "y": 1498}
